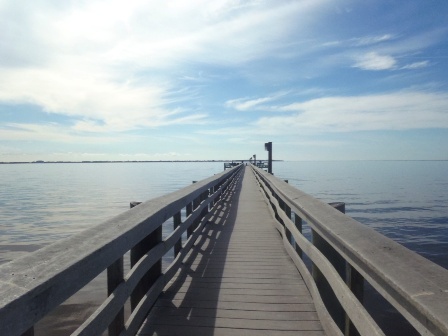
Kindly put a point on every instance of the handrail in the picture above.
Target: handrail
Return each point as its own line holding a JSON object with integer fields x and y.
{"x": 415, "y": 286}
{"x": 351, "y": 305}
{"x": 31, "y": 286}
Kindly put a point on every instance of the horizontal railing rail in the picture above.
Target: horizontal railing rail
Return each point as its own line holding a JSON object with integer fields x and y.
{"x": 345, "y": 253}
{"x": 32, "y": 286}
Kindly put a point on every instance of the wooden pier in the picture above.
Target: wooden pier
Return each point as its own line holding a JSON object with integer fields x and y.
{"x": 237, "y": 279}
{"x": 237, "y": 268}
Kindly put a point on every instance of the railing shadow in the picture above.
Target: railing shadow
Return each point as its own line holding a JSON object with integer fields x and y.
{"x": 191, "y": 300}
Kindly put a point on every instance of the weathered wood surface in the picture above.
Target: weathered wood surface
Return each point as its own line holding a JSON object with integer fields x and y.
{"x": 415, "y": 286}
{"x": 335, "y": 285}
{"x": 237, "y": 279}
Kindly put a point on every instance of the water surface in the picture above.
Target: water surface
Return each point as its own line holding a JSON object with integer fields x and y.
{"x": 43, "y": 203}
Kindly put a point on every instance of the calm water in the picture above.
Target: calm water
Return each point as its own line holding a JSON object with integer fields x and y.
{"x": 404, "y": 200}
{"x": 42, "y": 203}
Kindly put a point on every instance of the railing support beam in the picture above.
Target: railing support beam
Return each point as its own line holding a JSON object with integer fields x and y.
{"x": 355, "y": 282}
{"x": 189, "y": 211}
{"x": 331, "y": 302}
{"x": 115, "y": 276}
{"x": 29, "y": 332}
{"x": 298, "y": 224}
{"x": 154, "y": 272}
{"x": 177, "y": 221}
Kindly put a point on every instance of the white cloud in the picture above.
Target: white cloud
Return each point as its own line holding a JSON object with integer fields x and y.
{"x": 112, "y": 62}
{"x": 107, "y": 105}
{"x": 391, "y": 111}
{"x": 404, "y": 110}
{"x": 375, "y": 61}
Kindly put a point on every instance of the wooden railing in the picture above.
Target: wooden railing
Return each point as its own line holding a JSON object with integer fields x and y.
{"x": 344, "y": 253}
{"x": 32, "y": 286}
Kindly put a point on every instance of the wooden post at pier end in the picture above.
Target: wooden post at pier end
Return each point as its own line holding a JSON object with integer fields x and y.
{"x": 268, "y": 147}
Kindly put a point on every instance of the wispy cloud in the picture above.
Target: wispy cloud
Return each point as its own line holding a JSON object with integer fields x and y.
{"x": 246, "y": 104}
{"x": 370, "y": 40}
{"x": 375, "y": 61}
{"x": 391, "y": 111}
{"x": 51, "y": 133}
{"x": 360, "y": 41}
{"x": 416, "y": 65}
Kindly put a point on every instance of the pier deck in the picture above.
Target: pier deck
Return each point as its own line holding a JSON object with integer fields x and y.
{"x": 237, "y": 279}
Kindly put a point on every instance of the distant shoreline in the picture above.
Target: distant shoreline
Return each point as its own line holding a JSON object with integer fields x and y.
{"x": 149, "y": 161}
{"x": 199, "y": 161}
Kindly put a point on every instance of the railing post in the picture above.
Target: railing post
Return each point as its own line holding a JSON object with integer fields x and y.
{"x": 298, "y": 223}
{"x": 280, "y": 203}
{"x": 355, "y": 282}
{"x": 205, "y": 196}
{"x": 331, "y": 302}
{"x": 196, "y": 203}
{"x": 29, "y": 332}
{"x": 189, "y": 210}
{"x": 177, "y": 221}
{"x": 114, "y": 278}
{"x": 211, "y": 191}
{"x": 137, "y": 252}
{"x": 287, "y": 211}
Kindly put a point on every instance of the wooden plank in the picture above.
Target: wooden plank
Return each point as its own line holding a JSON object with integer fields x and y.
{"x": 161, "y": 312}
{"x": 236, "y": 286}
{"x": 220, "y": 297}
{"x": 267, "y": 291}
{"x": 193, "y": 277}
{"x": 169, "y": 330}
{"x": 274, "y": 307}
{"x": 237, "y": 323}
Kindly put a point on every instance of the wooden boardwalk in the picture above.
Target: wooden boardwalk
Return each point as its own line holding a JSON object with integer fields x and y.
{"x": 237, "y": 279}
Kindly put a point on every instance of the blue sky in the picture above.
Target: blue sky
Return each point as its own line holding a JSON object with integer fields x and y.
{"x": 209, "y": 79}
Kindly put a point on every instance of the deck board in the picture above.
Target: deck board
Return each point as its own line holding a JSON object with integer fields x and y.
{"x": 237, "y": 279}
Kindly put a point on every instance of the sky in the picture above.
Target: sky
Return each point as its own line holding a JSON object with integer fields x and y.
{"x": 215, "y": 79}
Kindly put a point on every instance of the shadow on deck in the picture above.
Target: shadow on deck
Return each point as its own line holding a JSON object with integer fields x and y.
{"x": 237, "y": 279}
